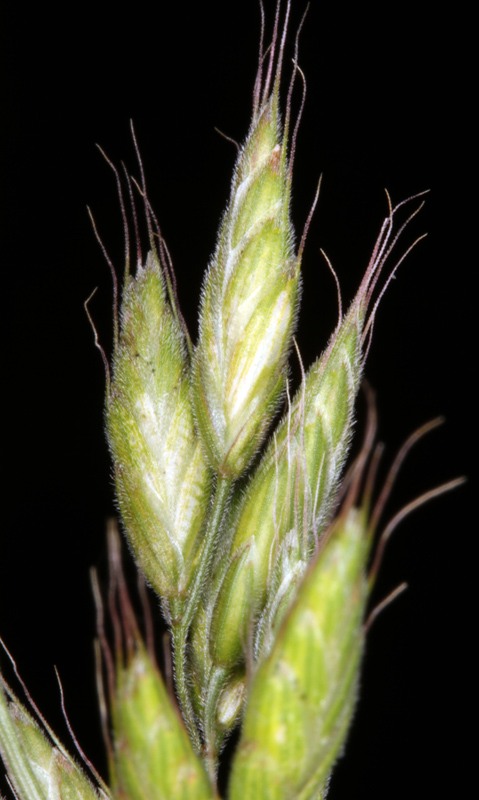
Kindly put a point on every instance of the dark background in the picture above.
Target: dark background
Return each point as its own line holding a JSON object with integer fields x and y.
{"x": 386, "y": 107}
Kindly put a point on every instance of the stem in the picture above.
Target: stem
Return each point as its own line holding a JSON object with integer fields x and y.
{"x": 180, "y": 633}
{"x": 181, "y": 625}
{"x": 215, "y": 685}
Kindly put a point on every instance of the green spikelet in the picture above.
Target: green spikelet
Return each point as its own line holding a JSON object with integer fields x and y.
{"x": 249, "y": 303}
{"x": 153, "y": 754}
{"x": 162, "y": 478}
{"x": 301, "y": 698}
{"x": 38, "y": 769}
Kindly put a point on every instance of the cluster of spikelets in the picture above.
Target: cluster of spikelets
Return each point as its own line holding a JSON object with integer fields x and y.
{"x": 232, "y": 523}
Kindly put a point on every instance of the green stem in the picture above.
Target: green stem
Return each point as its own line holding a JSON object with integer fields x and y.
{"x": 215, "y": 685}
{"x": 180, "y": 634}
{"x": 181, "y": 624}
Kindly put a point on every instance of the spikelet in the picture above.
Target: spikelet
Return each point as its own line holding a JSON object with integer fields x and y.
{"x": 153, "y": 754}
{"x": 161, "y": 475}
{"x": 249, "y": 302}
{"x": 39, "y": 768}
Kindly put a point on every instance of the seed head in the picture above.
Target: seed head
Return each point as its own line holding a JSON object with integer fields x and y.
{"x": 249, "y": 303}
{"x": 153, "y": 754}
{"x": 161, "y": 475}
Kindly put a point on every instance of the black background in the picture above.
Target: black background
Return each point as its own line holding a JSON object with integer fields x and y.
{"x": 386, "y": 107}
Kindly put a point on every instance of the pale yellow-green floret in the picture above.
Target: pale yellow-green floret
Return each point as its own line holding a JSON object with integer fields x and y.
{"x": 249, "y": 304}
{"x": 153, "y": 757}
{"x": 39, "y": 767}
{"x": 162, "y": 477}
